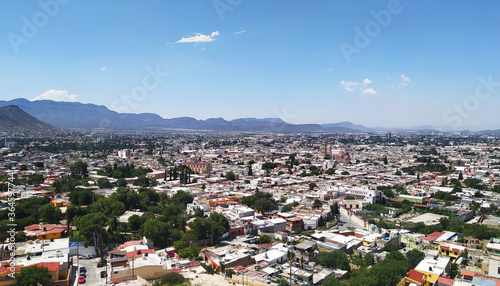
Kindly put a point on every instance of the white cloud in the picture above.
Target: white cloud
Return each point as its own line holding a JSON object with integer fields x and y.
{"x": 349, "y": 85}
{"x": 369, "y": 91}
{"x": 240, "y": 32}
{"x": 104, "y": 68}
{"x": 366, "y": 82}
{"x": 56, "y": 95}
{"x": 199, "y": 38}
{"x": 405, "y": 79}
{"x": 329, "y": 70}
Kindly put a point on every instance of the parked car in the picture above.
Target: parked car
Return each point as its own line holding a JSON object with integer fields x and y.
{"x": 103, "y": 274}
{"x": 81, "y": 280}
{"x": 99, "y": 264}
{"x": 83, "y": 270}
{"x": 85, "y": 256}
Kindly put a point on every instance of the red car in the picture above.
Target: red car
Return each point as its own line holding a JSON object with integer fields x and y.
{"x": 99, "y": 264}
{"x": 81, "y": 279}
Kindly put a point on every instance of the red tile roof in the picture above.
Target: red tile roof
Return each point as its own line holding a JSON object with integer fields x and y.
{"x": 467, "y": 273}
{"x": 38, "y": 229}
{"x": 432, "y": 236}
{"x": 6, "y": 270}
{"x": 128, "y": 243}
{"x": 420, "y": 205}
{"x": 445, "y": 281}
{"x": 143, "y": 251}
{"x": 51, "y": 266}
{"x": 417, "y": 276}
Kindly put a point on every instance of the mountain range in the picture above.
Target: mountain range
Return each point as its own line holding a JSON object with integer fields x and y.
{"x": 75, "y": 115}
{"x": 13, "y": 118}
{"x": 90, "y": 116}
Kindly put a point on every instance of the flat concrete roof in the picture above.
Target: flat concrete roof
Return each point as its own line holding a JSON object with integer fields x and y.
{"x": 427, "y": 218}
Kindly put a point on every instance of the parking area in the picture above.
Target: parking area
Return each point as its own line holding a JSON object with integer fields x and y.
{"x": 93, "y": 273}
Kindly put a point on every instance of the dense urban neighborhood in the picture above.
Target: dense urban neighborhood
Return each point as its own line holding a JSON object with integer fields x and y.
{"x": 240, "y": 208}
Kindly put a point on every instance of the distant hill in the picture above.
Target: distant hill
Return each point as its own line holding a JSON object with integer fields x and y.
{"x": 493, "y": 132}
{"x": 13, "y": 118}
{"x": 91, "y": 116}
{"x": 346, "y": 124}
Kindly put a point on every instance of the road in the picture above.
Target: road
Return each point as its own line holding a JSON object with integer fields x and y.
{"x": 93, "y": 273}
{"x": 348, "y": 223}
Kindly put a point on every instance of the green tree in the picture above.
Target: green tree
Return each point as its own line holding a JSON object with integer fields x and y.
{"x": 33, "y": 276}
{"x": 414, "y": 257}
{"x": 35, "y": 179}
{"x": 79, "y": 170}
{"x": 334, "y": 259}
{"x": 445, "y": 222}
{"x": 330, "y": 171}
{"x": 81, "y": 197}
{"x": 264, "y": 239}
{"x": 91, "y": 228}
{"x": 134, "y": 222}
{"x": 286, "y": 208}
{"x": 230, "y": 176}
{"x": 158, "y": 232}
{"x": 334, "y": 208}
{"x": 369, "y": 259}
{"x": 474, "y": 206}
{"x": 121, "y": 182}
{"x": 103, "y": 183}
{"x": 128, "y": 197}
{"x": 312, "y": 186}
{"x": 183, "y": 198}
{"x": 142, "y": 181}
{"x": 282, "y": 282}
{"x": 38, "y": 165}
{"x": 74, "y": 211}
{"x": 389, "y": 271}
{"x": 331, "y": 281}
{"x": 317, "y": 204}
{"x": 191, "y": 252}
{"x": 218, "y": 225}
{"x": 269, "y": 165}
{"x": 472, "y": 183}
{"x": 49, "y": 214}
{"x": 172, "y": 278}
{"x": 345, "y": 173}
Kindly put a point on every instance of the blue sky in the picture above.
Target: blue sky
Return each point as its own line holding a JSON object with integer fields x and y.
{"x": 417, "y": 63}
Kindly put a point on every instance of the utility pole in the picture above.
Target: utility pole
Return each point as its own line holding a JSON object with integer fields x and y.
{"x": 106, "y": 272}
{"x": 77, "y": 262}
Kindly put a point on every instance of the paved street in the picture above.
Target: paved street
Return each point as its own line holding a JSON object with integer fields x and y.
{"x": 93, "y": 273}
{"x": 348, "y": 222}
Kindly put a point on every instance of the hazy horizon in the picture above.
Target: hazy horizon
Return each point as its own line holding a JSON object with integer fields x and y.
{"x": 379, "y": 64}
